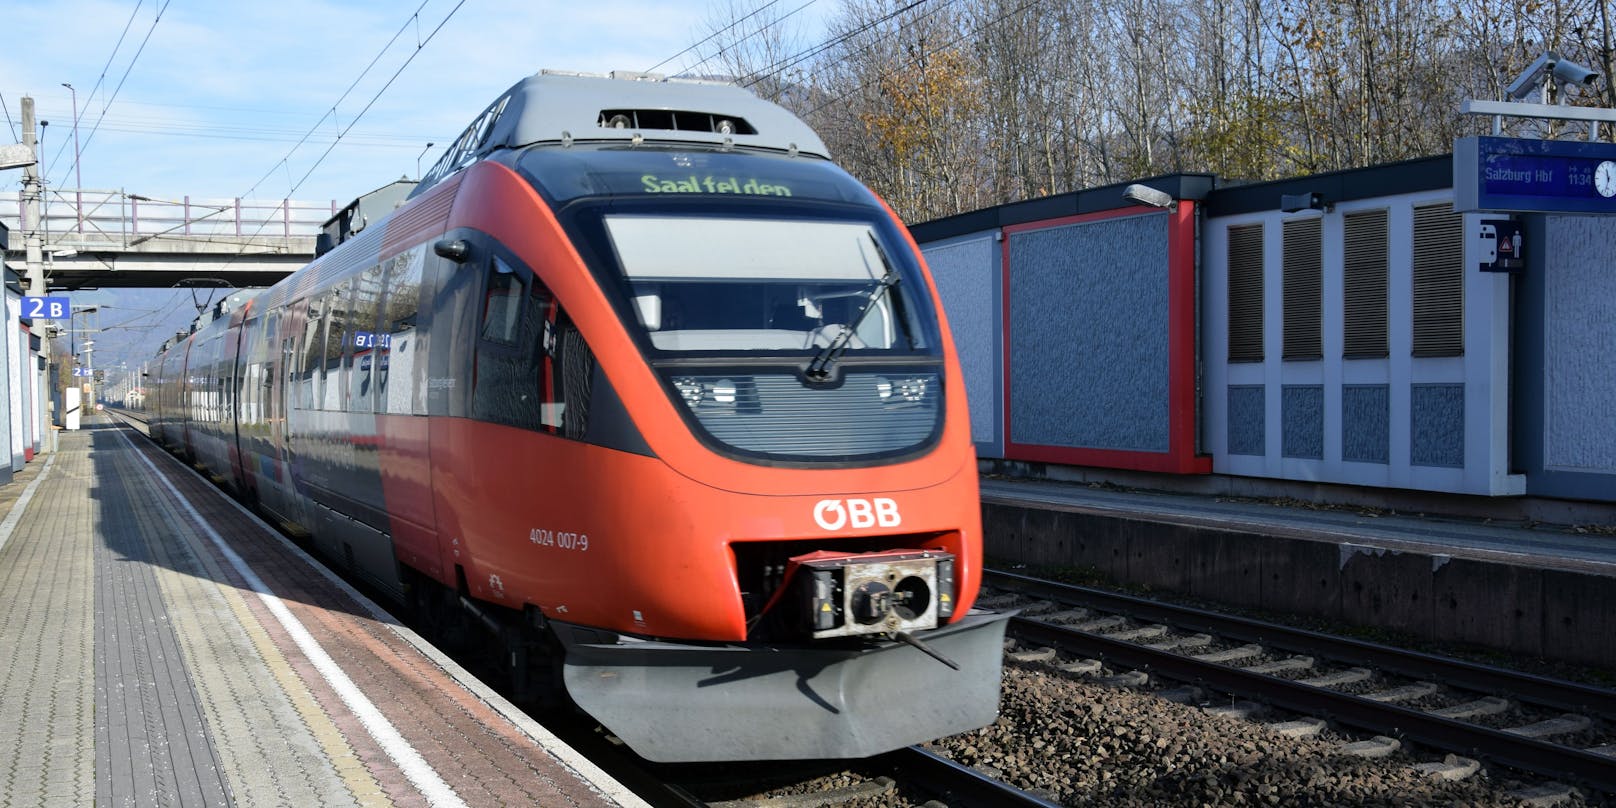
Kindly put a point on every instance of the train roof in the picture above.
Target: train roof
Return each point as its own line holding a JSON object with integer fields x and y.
{"x": 565, "y": 108}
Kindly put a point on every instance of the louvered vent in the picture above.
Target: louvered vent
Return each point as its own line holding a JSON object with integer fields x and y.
{"x": 1365, "y": 321}
{"x": 1246, "y": 293}
{"x": 1302, "y": 289}
{"x": 1438, "y": 281}
{"x": 674, "y": 119}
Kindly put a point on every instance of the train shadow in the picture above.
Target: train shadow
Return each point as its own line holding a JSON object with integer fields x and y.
{"x": 140, "y": 522}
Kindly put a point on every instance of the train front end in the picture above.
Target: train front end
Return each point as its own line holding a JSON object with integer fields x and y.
{"x": 781, "y": 560}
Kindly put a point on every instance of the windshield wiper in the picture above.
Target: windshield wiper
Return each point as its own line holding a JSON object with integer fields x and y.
{"x": 819, "y": 369}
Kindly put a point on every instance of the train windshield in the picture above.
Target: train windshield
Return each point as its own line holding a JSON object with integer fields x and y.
{"x": 742, "y": 284}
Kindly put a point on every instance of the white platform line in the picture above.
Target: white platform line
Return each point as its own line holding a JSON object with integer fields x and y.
{"x": 569, "y": 757}
{"x": 420, "y": 773}
{"x": 17, "y": 508}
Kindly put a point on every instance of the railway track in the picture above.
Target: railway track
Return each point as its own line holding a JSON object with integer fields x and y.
{"x": 1332, "y": 679}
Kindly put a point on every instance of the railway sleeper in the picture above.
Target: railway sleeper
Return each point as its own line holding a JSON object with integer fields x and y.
{"x": 1244, "y": 710}
{"x": 1305, "y": 727}
{"x": 1297, "y": 663}
{"x": 1547, "y": 794}
{"x": 1418, "y": 690}
{"x": 1452, "y": 767}
{"x": 1488, "y": 705}
{"x": 1182, "y": 643}
{"x": 1228, "y": 655}
{"x": 1350, "y": 676}
{"x": 1568, "y": 724}
{"x": 1377, "y": 747}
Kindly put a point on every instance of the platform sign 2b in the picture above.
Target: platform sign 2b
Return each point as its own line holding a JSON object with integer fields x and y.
{"x": 46, "y": 308}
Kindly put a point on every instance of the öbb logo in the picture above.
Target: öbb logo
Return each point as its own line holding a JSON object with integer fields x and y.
{"x": 835, "y": 514}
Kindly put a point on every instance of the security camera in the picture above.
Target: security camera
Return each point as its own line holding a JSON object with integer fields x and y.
{"x": 1528, "y": 80}
{"x": 1146, "y": 195}
{"x": 1570, "y": 72}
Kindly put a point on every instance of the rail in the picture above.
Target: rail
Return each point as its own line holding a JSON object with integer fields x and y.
{"x": 1500, "y": 746}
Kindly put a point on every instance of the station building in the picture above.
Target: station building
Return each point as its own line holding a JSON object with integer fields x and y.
{"x": 1351, "y": 328}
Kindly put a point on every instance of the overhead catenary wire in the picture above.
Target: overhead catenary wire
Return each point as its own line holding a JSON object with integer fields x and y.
{"x": 721, "y": 32}
{"x": 420, "y": 44}
{"x": 101, "y": 80}
{"x": 332, "y": 112}
{"x": 89, "y": 138}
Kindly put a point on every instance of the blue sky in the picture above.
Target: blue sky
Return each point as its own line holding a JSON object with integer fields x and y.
{"x": 221, "y": 92}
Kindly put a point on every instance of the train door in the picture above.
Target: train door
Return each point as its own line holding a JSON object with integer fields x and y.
{"x": 399, "y": 392}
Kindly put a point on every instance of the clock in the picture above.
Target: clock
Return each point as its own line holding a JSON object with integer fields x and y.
{"x": 1605, "y": 178}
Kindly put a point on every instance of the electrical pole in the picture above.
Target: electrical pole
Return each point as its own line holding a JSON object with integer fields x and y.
{"x": 30, "y": 204}
{"x": 35, "y": 261}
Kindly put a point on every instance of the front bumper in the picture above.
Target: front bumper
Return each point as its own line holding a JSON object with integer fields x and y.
{"x": 680, "y": 703}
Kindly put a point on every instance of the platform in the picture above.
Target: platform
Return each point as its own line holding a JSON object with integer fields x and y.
{"x": 160, "y": 646}
{"x": 1518, "y": 587}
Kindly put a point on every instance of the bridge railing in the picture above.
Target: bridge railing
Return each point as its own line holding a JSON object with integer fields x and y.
{"x": 73, "y": 218}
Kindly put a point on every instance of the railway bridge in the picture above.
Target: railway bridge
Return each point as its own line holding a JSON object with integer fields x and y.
{"x": 113, "y": 238}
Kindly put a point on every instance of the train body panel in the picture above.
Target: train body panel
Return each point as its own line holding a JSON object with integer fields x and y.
{"x": 639, "y": 399}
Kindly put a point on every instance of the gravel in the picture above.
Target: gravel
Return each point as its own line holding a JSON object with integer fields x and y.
{"x": 1081, "y": 744}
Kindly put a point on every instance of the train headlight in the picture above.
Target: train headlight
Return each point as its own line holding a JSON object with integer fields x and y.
{"x": 902, "y": 390}
{"x": 690, "y": 389}
{"x": 724, "y": 391}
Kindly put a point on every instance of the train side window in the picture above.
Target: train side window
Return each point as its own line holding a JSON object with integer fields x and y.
{"x": 399, "y": 354}
{"x": 339, "y": 302}
{"x": 541, "y": 379}
{"x": 502, "y": 303}
{"x": 312, "y": 356}
{"x": 365, "y": 342}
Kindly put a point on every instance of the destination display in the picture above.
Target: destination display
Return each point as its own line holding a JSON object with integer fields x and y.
{"x": 1544, "y": 176}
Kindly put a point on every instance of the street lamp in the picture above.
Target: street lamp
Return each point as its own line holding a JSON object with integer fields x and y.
{"x": 78, "y": 177}
{"x": 418, "y": 161}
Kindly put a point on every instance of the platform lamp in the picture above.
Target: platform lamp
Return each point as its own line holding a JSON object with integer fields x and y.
{"x": 78, "y": 175}
{"x": 418, "y": 161}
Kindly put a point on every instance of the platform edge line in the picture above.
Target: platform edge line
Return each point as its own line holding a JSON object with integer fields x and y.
{"x": 561, "y": 750}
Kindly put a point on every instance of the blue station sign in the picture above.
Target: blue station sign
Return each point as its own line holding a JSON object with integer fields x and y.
{"x": 1543, "y": 176}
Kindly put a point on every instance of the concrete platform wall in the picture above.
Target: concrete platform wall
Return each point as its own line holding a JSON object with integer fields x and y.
{"x": 1548, "y": 613}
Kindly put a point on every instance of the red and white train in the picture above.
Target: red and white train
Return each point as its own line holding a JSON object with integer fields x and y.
{"x": 642, "y": 380}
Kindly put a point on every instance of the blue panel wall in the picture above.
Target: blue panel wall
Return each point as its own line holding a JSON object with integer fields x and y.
{"x": 1566, "y": 354}
{"x": 1366, "y": 423}
{"x": 1246, "y": 420}
{"x": 1437, "y": 411}
{"x": 967, "y": 273}
{"x": 1302, "y": 421}
{"x": 1088, "y": 342}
